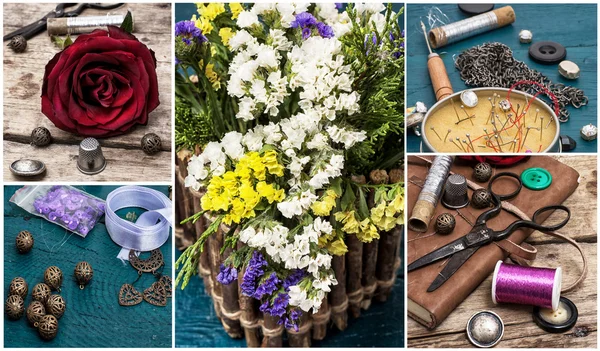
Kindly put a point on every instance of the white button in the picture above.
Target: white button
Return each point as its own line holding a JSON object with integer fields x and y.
{"x": 560, "y": 316}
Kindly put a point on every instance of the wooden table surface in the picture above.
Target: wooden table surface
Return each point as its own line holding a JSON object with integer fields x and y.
{"x": 573, "y": 25}
{"x": 93, "y": 317}
{"x": 520, "y": 330}
{"x": 23, "y": 75}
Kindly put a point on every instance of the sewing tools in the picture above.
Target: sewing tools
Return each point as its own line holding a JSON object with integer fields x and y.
{"x": 556, "y": 321}
{"x": 430, "y": 194}
{"x": 83, "y": 24}
{"x": 457, "y": 31}
{"x": 521, "y": 285}
{"x": 461, "y": 249}
{"x": 437, "y": 72}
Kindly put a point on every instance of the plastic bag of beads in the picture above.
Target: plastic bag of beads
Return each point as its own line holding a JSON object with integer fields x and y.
{"x": 69, "y": 207}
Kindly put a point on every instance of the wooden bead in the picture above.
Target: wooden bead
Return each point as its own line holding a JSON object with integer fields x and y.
{"x": 41, "y": 292}
{"x": 18, "y": 286}
{"x": 14, "y": 307}
{"x": 24, "y": 242}
{"x": 35, "y": 312}
{"x": 48, "y": 327}
{"x": 83, "y": 273}
{"x": 53, "y": 277}
{"x": 56, "y": 306}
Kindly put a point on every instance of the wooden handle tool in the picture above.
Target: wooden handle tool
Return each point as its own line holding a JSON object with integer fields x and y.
{"x": 437, "y": 72}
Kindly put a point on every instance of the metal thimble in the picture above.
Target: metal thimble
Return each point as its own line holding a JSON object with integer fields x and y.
{"x": 91, "y": 160}
{"x": 455, "y": 192}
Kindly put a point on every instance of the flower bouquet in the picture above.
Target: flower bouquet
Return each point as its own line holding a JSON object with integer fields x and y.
{"x": 287, "y": 107}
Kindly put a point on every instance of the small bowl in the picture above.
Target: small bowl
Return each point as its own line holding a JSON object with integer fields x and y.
{"x": 27, "y": 168}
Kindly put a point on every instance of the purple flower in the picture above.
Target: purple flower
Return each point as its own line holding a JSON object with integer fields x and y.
{"x": 293, "y": 279}
{"x": 325, "y": 31}
{"x": 280, "y": 305}
{"x": 291, "y": 321}
{"x": 339, "y": 5}
{"x": 268, "y": 287}
{"x": 254, "y": 271}
{"x": 227, "y": 274}
{"x": 304, "y": 20}
{"x": 306, "y": 33}
{"x": 189, "y": 33}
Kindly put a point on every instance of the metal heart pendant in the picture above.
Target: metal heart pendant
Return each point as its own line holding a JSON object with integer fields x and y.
{"x": 150, "y": 265}
{"x": 168, "y": 283}
{"x": 156, "y": 294}
{"x": 129, "y": 296}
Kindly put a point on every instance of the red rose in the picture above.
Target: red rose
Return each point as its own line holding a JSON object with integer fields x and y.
{"x": 101, "y": 85}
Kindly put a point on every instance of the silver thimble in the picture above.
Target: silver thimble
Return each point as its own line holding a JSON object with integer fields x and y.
{"x": 455, "y": 192}
{"x": 91, "y": 160}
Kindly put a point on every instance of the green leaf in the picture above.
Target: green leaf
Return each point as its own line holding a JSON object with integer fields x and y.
{"x": 127, "y": 24}
{"x": 68, "y": 41}
{"x": 62, "y": 43}
{"x": 363, "y": 209}
{"x": 348, "y": 198}
{"x": 336, "y": 185}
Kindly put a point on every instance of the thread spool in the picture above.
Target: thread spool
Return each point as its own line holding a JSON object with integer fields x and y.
{"x": 457, "y": 31}
{"x": 521, "y": 285}
{"x": 82, "y": 24}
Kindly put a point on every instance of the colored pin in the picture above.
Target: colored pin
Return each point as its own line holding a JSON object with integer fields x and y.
{"x": 470, "y": 142}
{"x": 446, "y": 137}
{"x": 537, "y": 111}
{"x": 541, "y": 127}
{"x": 436, "y": 133}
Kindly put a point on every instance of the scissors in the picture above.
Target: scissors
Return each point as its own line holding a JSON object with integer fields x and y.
{"x": 33, "y": 29}
{"x": 463, "y": 248}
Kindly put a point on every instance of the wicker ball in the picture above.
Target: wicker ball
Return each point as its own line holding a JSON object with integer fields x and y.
{"x": 18, "y": 286}
{"x": 56, "y": 306}
{"x": 41, "y": 136}
{"x": 83, "y": 273}
{"x": 53, "y": 277}
{"x": 35, "y": 312}
{"x": 445, "y": 223}
{"x": 481, "y": 198}
{"x": 151, "y": 143}
{"x": 41, "y": 292}
{"x": 14, "y": 307}
{"x": 18, "y": 43}
{"x": 482, "y": 172}
{"x": 48, "y": 327}
{"x": 24, "y": 242}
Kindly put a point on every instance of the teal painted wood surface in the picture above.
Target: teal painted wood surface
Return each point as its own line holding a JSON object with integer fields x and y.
{"x": 574, "y": 26}
{"x": 93, "y": 317}
{"x": 197, "y": 325}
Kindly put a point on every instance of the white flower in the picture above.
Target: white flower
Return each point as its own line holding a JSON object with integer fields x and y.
{"x": 239, "y": 39}
{"x": 214, "y": 152}
{"x": 190, "y": 181}
{"x": 272, "y": 133}
{"x": 323, "y": 260}
{"x": 219, "y": 171}
{"x": 322, "y": 225}
{"x": 318, "y": 142}
{"x": 307, "y": 198}
{"x": 290, "y": 209}
{"x": 299, "y": 298}
{"x": 246, "y": 107}
{"x": 253, "y": 139}
{"x": 246, "y": 19}
{"x": 279, "y": 41}
{"x": 247, "y": 234}
{"x": 261, "y": 8}
{"x": 267, "y": 57}
{"x": 348, "y": 138}
{"x": 232, "y": 144}
{"x": 325, "y": 283}
{"x": 379, "y": 20}
{"x": 319, "y": 180}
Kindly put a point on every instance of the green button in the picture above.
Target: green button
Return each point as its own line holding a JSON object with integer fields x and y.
{"x": 536, "y": 178}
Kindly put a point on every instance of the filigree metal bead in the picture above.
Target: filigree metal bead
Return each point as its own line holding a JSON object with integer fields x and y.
{"x": 14, "y": 307}
{"x": 482, "y": 172}
{"x": 18, "y": 43}
{"x": 24, "y": 241}
{"x": 48, "y": 327}
{"x": 53, "y": 277}
{"x": 18, "y": 286}
{"x": 41, "y": 292}
{"x": 481, "y": 198}
{"x": 445, "y": 223}
{"x": 35, "y": 312}
{"x": 83, "y": 273}
{"x": 56, "y": 306}
{"x": 41, "y": 136}
{"x": 151, "y": 143}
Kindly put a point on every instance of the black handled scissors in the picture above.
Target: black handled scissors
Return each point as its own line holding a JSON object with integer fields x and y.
{"x": 464, "y": 247}
{"x": 33, "y": 29}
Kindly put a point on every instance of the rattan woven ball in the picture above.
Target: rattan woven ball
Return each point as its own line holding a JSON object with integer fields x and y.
{"x": 83, "y": 273}
{"x": 18, "y": 286}
{"x": 53, "y": 277}
{"x": 48, "y": 327}
{"x": 41, "y": 292}
{"x": 35, "y": 312}
{"x": 41, "y": 136}
{"x": 14, "y": 307}
{"x": 481, "y": 198}
{"x": 445, "y": 223}
{"x": 56, "y": 306}
{"x": 24, "y": 241}
{"x": 482, "y": 172}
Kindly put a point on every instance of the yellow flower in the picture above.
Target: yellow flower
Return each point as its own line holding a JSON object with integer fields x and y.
{"x": 270, "y": 161}
{"x": 212, "y": 76}
{"x": 351, "y": 225}
{"x": 327, "y": 203}
{"x": 338, "y": 247}
{"x": 398, "y": 203}
{"x": 235, "y": 8}
{"x": 226, "y": 34}
{"x": 269, "y": 192}
{"x": 368, "y": 231}
{"x": 210, "y": 11}
{"x": 203, "y": 24}
{"x": 250, "y": 197}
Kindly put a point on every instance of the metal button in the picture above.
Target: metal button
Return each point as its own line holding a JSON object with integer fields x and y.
{"x": 568, "y": 69}
{"x": 525, "y": 36}
{"x": 485, "y": 329}
{"x": 589, "y": 132}
{"x": 469, "y": 98}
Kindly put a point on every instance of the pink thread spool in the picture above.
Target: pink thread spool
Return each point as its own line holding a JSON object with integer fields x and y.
{"x": 526, "y": 285}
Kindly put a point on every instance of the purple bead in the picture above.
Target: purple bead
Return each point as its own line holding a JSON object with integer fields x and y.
{"x": 73, "y": 224}
{"x": 66, "y": 218}
{"x": 73, "y": 206}
{"x": 53, "y": 216}
{"x": 79, "y": 214}
{"x": 101, "y": 206}
{"x": 82, "y": 229}
{"x": 44, "y": 209}
{"x": 91, "y": 223}
{"x": 60, "y": 211}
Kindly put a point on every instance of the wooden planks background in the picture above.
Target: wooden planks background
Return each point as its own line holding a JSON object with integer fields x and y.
{"x": 520, "y": 330}
{"x": 23, "y": 74}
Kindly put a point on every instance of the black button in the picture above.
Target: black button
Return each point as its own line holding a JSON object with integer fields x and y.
{"x": 475, "y": 9}
{"x": 547, "y": 52}
{"x": 565, "y": 305}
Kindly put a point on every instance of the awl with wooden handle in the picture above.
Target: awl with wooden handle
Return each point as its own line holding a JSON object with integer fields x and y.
{"x": 437, "y": 72}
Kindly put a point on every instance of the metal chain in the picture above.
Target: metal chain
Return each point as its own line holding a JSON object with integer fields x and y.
{"x": 493, "y": 65}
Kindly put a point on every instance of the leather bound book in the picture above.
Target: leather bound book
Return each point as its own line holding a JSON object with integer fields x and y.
{"x": 431, "y": 308}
